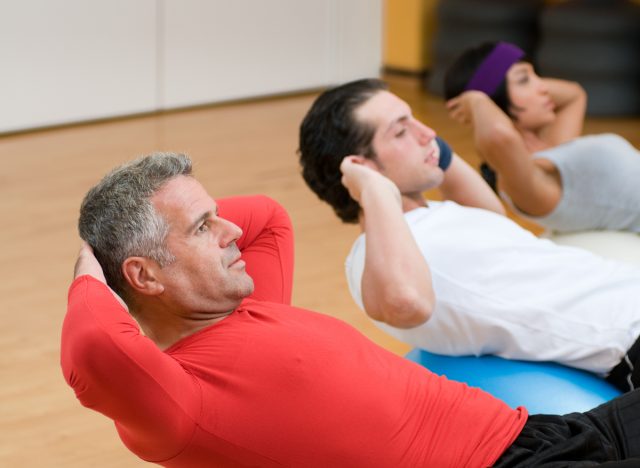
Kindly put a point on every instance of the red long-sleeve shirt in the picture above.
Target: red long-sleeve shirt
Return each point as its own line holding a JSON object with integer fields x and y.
{"x": 271, "y": 384}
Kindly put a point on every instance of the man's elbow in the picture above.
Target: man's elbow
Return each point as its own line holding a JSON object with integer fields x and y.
{"x": 405, "y": 310}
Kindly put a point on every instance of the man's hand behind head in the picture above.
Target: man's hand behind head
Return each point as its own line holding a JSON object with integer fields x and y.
{"x": 87, "y": 264}
{"x": 358, "y": 176}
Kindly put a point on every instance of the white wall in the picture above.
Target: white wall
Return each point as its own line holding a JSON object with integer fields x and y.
{"x": 67, "y": 61}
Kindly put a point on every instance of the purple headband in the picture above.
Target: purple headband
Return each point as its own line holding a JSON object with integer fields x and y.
{"x": 494, "y": 67}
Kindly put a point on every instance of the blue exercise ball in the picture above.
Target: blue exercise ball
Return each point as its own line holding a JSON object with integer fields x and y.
{"x": 541, "y": 387}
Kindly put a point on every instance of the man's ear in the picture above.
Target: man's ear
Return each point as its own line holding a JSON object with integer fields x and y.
{"x": 371, "y": 163}
{"x": 367, "y": 162}
{"x": 141, "y": 275}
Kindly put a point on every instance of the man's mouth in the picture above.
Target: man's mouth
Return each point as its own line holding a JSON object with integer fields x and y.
{"x": 431, "y": 158}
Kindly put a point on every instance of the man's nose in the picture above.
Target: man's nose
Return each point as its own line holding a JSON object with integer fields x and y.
{"x": 230, "y": 234}
{"x": 425, "y": 134}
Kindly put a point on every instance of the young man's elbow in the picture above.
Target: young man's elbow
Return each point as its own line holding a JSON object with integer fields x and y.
{"x": 408, "y": 311}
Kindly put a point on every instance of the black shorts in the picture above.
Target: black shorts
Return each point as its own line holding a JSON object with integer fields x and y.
{"x": 608, "y": 433}
{"x": 626, "y": 375}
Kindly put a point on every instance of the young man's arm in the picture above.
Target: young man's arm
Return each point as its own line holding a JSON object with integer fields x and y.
{"x": 463, "y": 185}
{"x": 118, "y": 372}
{"x": 396, "y": 283}
{"x": 266, "y": 244}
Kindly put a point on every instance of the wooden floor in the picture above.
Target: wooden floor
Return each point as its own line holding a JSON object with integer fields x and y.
{"x": 238, "y": 149}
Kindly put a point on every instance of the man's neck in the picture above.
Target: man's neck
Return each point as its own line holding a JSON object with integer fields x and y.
{"x": 166, "y": 329}
{"x": 411, "y": 202}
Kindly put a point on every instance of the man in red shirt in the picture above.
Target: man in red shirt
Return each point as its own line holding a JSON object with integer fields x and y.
{"x": 212, "y": 366}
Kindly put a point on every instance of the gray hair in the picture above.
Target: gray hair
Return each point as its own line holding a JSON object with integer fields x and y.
{"x": 118, "y": 219}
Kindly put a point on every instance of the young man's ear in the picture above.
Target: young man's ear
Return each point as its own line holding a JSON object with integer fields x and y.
{"x": 141, "y": 275}
{"x": 368, "y": 162}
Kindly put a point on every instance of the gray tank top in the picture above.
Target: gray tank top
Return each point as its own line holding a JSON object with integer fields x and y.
{"x": 600, "y": 185}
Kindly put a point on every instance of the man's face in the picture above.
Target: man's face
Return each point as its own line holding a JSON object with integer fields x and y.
{"x": 406, "y": 150}
{"x": 207, "y": 275}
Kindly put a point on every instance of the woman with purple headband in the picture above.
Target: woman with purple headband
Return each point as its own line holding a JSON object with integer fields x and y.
{"x": 527, "y": 129}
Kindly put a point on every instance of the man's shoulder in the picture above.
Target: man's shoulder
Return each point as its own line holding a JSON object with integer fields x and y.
{"x": 433, "y": 210}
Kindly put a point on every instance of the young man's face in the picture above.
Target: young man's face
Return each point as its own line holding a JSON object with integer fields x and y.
{"x": 406, "y": 150}
{"x": 207, "y": 275}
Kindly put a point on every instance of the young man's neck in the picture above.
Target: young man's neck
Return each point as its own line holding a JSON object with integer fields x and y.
{"x": 411, "y": 202}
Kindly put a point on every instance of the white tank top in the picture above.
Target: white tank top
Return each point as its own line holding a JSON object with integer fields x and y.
{"x": 501, "y": 290}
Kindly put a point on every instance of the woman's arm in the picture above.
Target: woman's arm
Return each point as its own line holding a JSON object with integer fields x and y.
{"x": 464, "y": 185}
{"x": 500, "y": 144}
{"x": 571, "y": 103}
{"x": 396, "y": 283}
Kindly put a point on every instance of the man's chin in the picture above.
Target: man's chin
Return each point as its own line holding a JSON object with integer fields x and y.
{"x": 248, "y": 287}
{"x": 435, "y": 179}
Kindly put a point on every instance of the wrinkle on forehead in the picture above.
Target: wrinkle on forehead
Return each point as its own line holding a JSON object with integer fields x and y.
{"x": 182, "y": 201}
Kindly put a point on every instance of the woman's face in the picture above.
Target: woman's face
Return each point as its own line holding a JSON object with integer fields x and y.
{"x": 531, "y": 105}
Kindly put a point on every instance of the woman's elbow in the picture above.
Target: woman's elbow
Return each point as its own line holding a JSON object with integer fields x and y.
{"x": 497, "y": 207}
{"x": 501, "y": 134}
{"x": 578, "y": 90}
{"x": 496, "y": 139}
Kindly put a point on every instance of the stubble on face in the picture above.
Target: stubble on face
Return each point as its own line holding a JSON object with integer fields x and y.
{"x": 208, "y": 274}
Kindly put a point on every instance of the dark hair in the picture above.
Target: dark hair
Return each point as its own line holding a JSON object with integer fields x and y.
{"x": 328, "y": 133}
{"x": 460, "y": 72}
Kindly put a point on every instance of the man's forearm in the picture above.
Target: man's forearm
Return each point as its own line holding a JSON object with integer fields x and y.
{"x": 396, "y": 283}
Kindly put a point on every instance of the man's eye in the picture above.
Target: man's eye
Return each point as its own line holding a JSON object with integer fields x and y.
{"x": 401, "y": 132}
{"x": 204, "y": 227}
